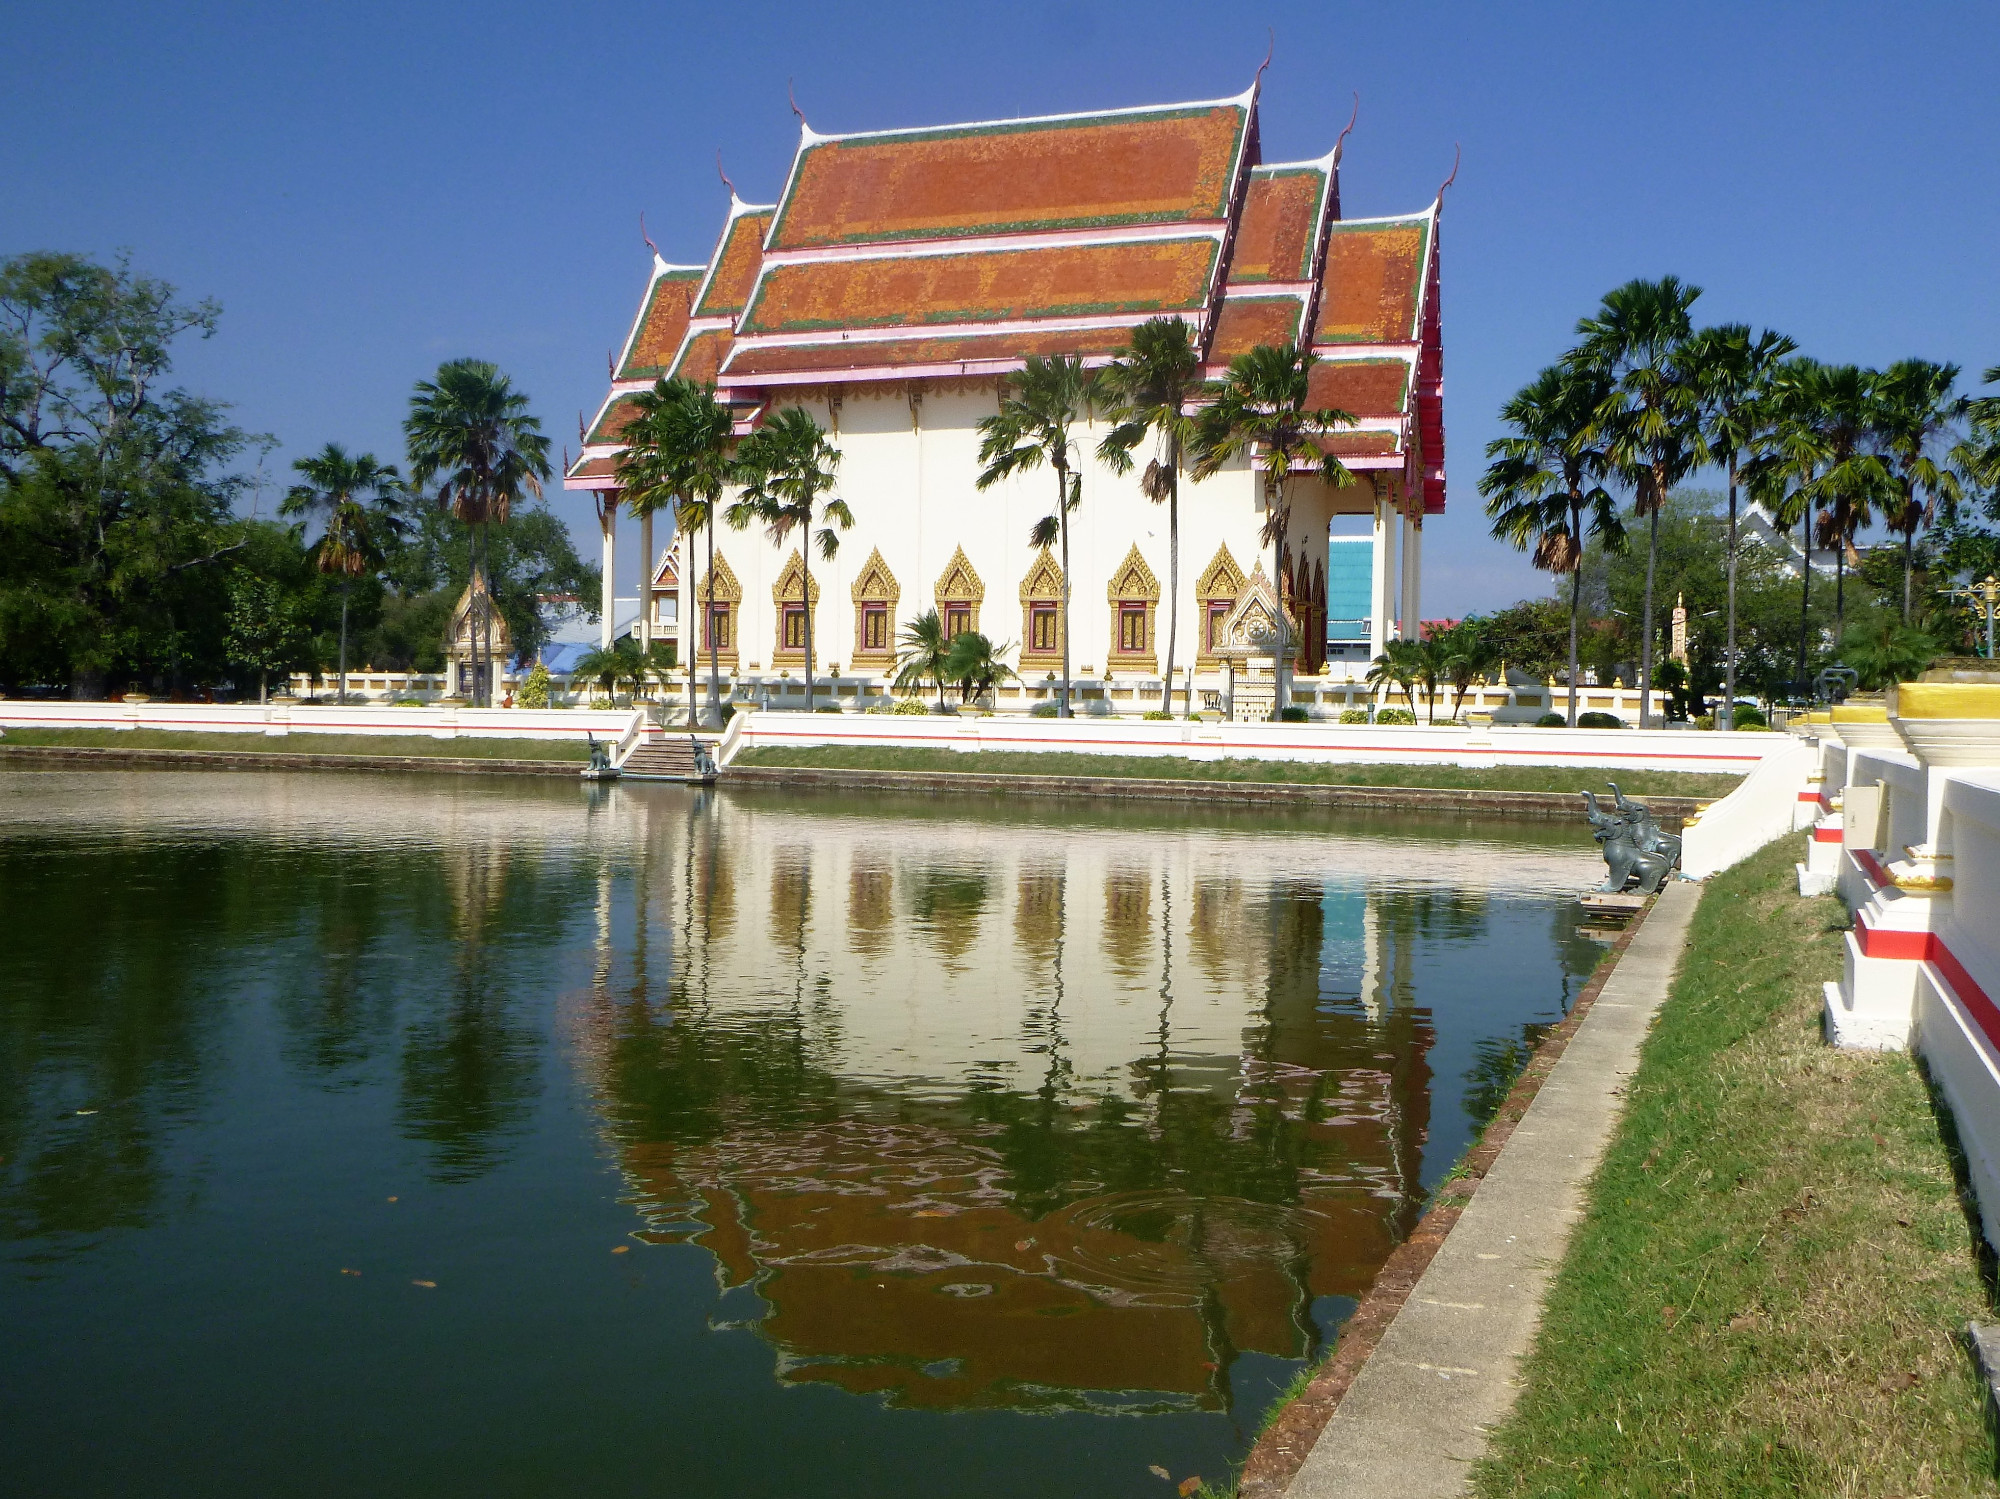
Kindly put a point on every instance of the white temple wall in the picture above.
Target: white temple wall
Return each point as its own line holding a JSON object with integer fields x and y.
{"x": 909, "y": 474}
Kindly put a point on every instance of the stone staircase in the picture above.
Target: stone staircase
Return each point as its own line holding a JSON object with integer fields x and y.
{"x": 667, "y": 757}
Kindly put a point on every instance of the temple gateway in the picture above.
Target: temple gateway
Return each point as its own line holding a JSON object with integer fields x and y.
{"x": 899, "y": 279}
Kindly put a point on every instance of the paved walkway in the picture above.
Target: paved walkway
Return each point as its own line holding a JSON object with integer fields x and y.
{"x": 1445, "y": 1371}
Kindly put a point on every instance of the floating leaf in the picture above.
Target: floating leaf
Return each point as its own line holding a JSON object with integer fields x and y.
{"x": 428, "y": 1285}
{"x": 1159, "y": 1472}
{"x": 392, "y": 1199}
{"x": 1189, "y": 1485}
{"x": 345, "y": 1271}
{"x": 623, "y": 1249}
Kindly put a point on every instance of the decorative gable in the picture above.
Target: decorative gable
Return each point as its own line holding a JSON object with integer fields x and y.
{"x": 720, "y": 586}
{"x": 1252, "y": 626}
{"x": 1133, "y": 580}
{"x": 875, "y": 584}
{"x": 788, "y": 588}
{"x": 1043, "y": 583}
{"x": 1222, "y": 578}
{"x": 959, "y": 582}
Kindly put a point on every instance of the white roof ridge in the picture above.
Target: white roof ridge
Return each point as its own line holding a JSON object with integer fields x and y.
{"x": 1243, "y": 100}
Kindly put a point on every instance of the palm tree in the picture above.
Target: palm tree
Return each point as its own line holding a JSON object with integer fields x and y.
{"x": 1150, "y": 389}
{"x": 976, "y": 664}
{"x": 1400, "y": 666}
{"x": 470, "y": 430}
{"x": 1038, "y": 407}
{"x": 1261, "y": 408}
{"x": 923, "y": 651}
{"x": 360, "y": 502}
{"x": 785, "y": 467}
{"x": 1851, "y": 479}
{"x": 1786, "y": 460}
{"x": 1535, "y": 481}
{"x": 678, "y": 450}
{"x": 1732, "y": 376}
{"x": 1978, "y": 456}
{"x": 1639, "y": 338}
{"x": 621, "y": 661}
{"x": 1464, "y": 655}
{"x": 1915, "y": 407}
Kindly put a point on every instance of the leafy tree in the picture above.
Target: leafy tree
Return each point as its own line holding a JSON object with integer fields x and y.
{"x": 1465, "y": 653}
{"x": 1639, "y": 339}
{"x": 787, "y": 468}
{"x": 1887, "y": 651}
{"x": 266, "y": 632}
{"x": 1732, "y": 373}
{"x": 1262, "y": 409}
{"x": 1151, "y": 387}
{"x": 1402, "y": 665}
{"x": 1038, "y": 409}
{"x": 1535, "y": 481}
{"x": 470, "y": 431}
{"x": 923, "y": 651}
{"x": 359, "y": 502}
{"x": 115, "y": 491}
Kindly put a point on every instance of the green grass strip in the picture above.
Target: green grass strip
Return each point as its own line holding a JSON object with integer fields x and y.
{"x": 1173, "y": 767}
{"x": 306, "y": 744}
{"x": 1766, "y": 1294}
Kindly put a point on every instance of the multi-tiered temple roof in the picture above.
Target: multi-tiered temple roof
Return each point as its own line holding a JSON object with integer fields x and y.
{"x": 905, "y": 255}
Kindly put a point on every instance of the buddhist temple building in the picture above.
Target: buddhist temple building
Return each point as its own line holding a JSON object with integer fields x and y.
{"x": 897, "y": 281}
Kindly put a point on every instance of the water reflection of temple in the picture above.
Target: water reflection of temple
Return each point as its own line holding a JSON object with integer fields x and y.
{"x": 1023, "y": 1115}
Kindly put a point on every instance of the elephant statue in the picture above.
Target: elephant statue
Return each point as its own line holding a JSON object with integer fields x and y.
{"x": 1626, "y": 860}
{"x": 1646, "y": 832}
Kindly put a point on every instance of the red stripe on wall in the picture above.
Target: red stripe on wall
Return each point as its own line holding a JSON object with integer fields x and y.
{"x": 1926, "y": 947}
{"x": 1826, "y": 835}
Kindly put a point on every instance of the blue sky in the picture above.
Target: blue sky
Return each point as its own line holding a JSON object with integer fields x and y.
{"x": 370, "y": 189}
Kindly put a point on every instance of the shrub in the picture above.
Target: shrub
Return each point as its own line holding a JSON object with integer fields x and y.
{"x": 1354, "y": 715}
{"x": 1753, "y": 728}
{"x": 1397, "y": 716}
{"x": 1749, "y": 717}
{"x": 911, "y": 705}
{"x": 827, "y": 708}
{"x": 1594, "y": 720}
{"x": 1552, "y": 721}
{"x": 1157, "y": 715}
{"x": 534, "y": 690}
{"x": 1704, "y": 720}
{"x": 1045, "y": 710}
{"x": 880, "y": 708}
{"x": 1293, "y": 713}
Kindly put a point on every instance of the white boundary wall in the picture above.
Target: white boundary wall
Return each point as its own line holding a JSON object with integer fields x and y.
{"x": 1752, "y": 815}
{"x": 1591, "y": 751}
{"x": 298, "y": 718}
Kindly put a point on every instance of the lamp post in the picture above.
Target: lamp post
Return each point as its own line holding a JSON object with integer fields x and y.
{"x": 1985, "y": 595}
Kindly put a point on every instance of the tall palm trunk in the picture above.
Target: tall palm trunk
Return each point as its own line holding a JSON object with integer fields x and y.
{"x": 487, "y": 682}
{"x": 1575, "y": 600}
{"x": 1173, "y": 573}
{"x": 1726, "y": 720}
{"x": 1284, "y": 634}
{"x": 1646, "y": 643}
{"x": 1909, "y": 558}
{"x": 1805, "y": 589}
{"x": 806, "y": 594}
{"x": 346, "y": 583}
{"x": 690, "y": 589}
{"x": 1062, "y": 526}
{"x": 708, "y": 624}
{"x": 1839, "y": 575}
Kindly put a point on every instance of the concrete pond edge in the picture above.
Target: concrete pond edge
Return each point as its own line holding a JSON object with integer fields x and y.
{"x": 1284, "y": 1447}
{"x": 179, "y": 759}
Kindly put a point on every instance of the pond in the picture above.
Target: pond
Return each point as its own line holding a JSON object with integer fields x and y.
{"x": 436, "y": 1136}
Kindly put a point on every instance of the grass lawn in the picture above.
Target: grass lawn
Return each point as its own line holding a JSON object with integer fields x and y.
{"x": 307, "y": 744}
{"x": 1174, "y": 767}
{"x": 1766, "y": 1293}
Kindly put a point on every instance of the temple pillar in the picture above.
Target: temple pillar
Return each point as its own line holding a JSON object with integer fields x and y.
{"x": 1382, "y": 595}
{"x": 607, "y": 520}
{"x": 646, "y": 582}
{"x": 1413, "y": 552}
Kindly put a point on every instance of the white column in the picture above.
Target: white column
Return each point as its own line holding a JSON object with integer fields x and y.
{"x": 1382, "y": 592}
{"x": 1413, "y": 548}
{"x": 607, "y": 519}
{"x": 646, "y": 564}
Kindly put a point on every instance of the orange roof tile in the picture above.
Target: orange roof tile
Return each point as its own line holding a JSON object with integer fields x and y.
{"x": 896, "y": 353}
{"x": 593, "y": 468}
{"x": 702, "y": 359}
{"x": 662, "y": 323}
{"x": 1360, "y": 444}
{"x": 1372, "y": 283}
{"x": 1274, "y": 236}
{"x": 614, "y": 419}
{"x": 1247, "y": 322}
{"x": 1161, "y": 166}
{"x": 983, "y": 286}
{"x": 736, "y": 262}
{"x": 1361, "y": 387}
